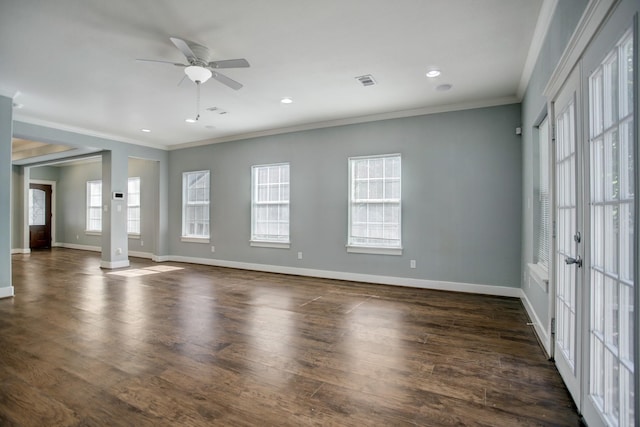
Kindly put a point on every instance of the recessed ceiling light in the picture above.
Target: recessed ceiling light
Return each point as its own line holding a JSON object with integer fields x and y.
{"x": 443, "y": 88}
{"x": 190, "y": 120}
{"x": 145, "y": 130}
{"x": 433, "y": 72}
{"x": 286, "y": 100}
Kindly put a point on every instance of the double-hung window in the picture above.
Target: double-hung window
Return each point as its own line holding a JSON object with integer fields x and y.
{"x": 270, "y": 205}
{"x": 195, "y": 205}
{"x": 375, "y": 205}
{"x": 133, "y": 206}
{"x": 94, "y": 206}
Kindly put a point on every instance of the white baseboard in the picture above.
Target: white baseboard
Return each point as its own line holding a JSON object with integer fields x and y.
{"x": 80, "y": 247}
{"x": 20, "y": 251}
{"x": 147, "y": 255}
{"x": 110, "y": 265}
{"x": 6, "y": 292}
{"x": 473, "y": 288}
{"x": 538, "y": 326}
{"x": 358, "y": 277}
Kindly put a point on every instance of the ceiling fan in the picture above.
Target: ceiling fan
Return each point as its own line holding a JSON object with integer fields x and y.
{"x": 200, "y": 67}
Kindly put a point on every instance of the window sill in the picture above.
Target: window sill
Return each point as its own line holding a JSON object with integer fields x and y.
{"x": 92, "y": 233}
{"x": 134, "y": 236}
{"x": 264, "y": 244}
{"x": 187, "y": 239}
{"x": 540, "y": 275}
{"x": 373, "y": 250}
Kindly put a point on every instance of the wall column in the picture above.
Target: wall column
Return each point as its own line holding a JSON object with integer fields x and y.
{"x": 6, "y": 133}
{"x": 115, "y": 250}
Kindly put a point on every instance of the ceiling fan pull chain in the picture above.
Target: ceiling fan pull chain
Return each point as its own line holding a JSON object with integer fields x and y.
{"x": 198, "y": 100}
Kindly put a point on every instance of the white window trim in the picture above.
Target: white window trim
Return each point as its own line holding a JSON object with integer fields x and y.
{"x": 364, "y": 249}
{"x": 263, "y": 243}
{"x": 139, "y": 206}
{"x": 269, "y": 244}
{"x": 87, "y": 231}
{"x": 541, "y": 274}
{"x": 190, "y": 239}
{"x": 186, "y": 237}
{"x": 374, "y": 250}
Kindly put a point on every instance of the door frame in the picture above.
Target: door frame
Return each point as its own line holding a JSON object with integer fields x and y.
{"x": 54, "y": 242}
{"x": 573, "y": 84}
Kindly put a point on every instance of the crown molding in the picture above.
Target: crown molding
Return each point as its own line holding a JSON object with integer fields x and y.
{"x": 353, "y": 120}
{"x": 594, "y": 15}
{"x": 539, "y": 35}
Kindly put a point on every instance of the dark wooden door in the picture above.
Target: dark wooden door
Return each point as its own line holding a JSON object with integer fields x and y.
{"x": 39, "y": 216}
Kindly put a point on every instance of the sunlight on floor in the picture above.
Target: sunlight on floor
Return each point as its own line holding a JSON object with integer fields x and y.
{"x": 135, "y": 272}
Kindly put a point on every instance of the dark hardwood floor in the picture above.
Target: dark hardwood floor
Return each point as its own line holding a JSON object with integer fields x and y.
{"x": 181, "y": 344}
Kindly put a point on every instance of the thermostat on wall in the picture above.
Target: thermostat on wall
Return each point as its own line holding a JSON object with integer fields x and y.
{"x": 118, "y": 195}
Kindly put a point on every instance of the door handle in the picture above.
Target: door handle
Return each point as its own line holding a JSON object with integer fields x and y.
{"x": 577, "y": 260}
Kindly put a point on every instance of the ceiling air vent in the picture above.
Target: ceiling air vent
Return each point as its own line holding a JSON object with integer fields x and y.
{"x": 366, "y": 80}
{"x": 217, "y": 110}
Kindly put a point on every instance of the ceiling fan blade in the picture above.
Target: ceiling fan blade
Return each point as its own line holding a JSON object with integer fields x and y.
{"x": 229, "y": 63}
{"x": 184, "y": 47}
{"x": 226, "y": 80}
{"x": 163, "y": 62}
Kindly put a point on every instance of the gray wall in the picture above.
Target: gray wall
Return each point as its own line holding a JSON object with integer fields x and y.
{"x": 71, "y": 201}
{"x": 565, "y": 19}
{"x": 461, "y": 191}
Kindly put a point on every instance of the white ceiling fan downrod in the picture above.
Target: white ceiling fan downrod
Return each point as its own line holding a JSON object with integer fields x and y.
{"x": 197, "y": 100}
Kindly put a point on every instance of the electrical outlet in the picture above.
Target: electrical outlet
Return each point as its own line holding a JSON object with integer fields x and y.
{"x": 213, "y": 248}
{"x": 141, "y": 242}
{"x": 412, "y": 263}
{"x": 77, "y": 237}
{"x": 299, "y": 255}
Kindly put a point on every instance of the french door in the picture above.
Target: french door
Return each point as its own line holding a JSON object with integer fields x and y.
{"x": 595, "y": 213}
{"x": 568, "y": 243}
{"x": 610, "y": 395}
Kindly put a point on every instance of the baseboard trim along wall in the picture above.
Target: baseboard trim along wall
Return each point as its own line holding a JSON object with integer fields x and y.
{"x": 80, "y": 247}
{"x": 20, "y": 251}
{"x": 115, "y": 264}
{"x": 358, "y": 277}
{"x": 147, "y": 255}
{"x": 6, "y": 292}
{"x": 538, "y": 326}
{"x": 503, "y": 291}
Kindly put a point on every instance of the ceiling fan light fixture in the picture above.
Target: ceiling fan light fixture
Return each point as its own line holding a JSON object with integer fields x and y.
{"x": 190, "y": 120}
{"x": 197, "y": 74}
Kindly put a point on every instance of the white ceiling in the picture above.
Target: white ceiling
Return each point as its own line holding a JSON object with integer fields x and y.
{"x": 72, "y": 63}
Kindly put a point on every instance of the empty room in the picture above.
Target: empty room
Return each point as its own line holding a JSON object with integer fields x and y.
{"x": 350, "y": 213}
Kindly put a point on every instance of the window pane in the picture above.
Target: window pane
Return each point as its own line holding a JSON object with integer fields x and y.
{"x": 270, "y": 207}
{"x": 195, "y": 208}
{"x": 37, "y": 200}
{"x": 94, "y": 205}
{"x": 375, "y": 218}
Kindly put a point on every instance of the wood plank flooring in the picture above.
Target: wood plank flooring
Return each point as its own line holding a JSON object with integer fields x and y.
{"x": 188, "y": 345}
